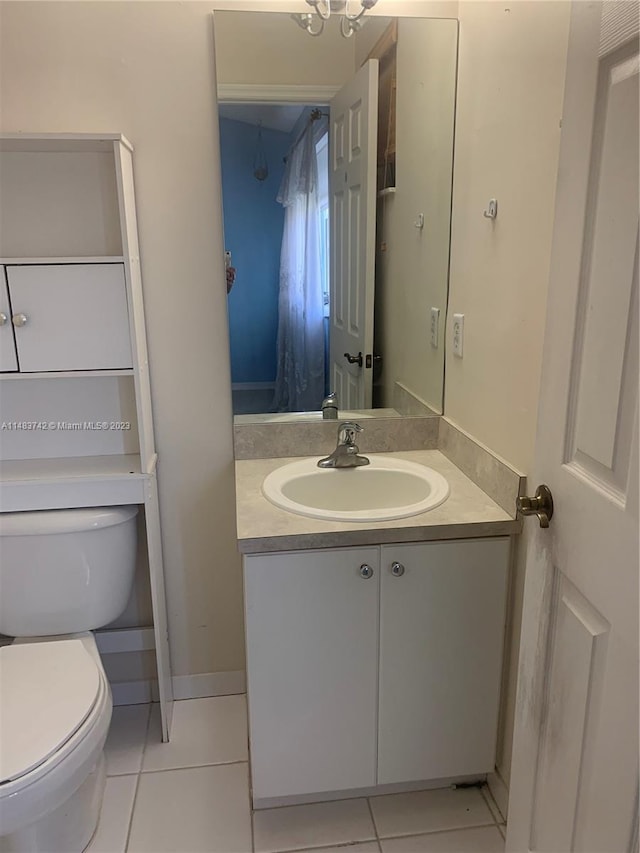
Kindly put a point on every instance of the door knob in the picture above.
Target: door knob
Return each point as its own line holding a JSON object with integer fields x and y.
{"x": 354, "y": 359}
{"x": 541, "y": 504}
{"x": 19, "y": 320}
{"x": 366, "y": 571}
{"x": 397, "y": 569}
{"x": 3, "y": 319}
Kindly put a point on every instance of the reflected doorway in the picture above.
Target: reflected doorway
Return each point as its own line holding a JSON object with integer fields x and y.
{"x": 262, "y": 241}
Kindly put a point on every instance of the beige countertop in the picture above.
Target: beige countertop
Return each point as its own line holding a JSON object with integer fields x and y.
{"x": 262, "y": 527}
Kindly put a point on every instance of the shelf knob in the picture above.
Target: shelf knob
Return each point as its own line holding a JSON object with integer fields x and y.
{"x": 3, "y": 319}
{"x": 366, "y": 571}
{"x": 19, "y": 320}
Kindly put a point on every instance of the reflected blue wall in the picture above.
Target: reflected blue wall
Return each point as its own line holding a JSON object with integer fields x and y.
{"x": 253, "y": 225}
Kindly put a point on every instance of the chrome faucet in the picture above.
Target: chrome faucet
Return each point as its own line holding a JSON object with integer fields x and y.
{"x": 346, "y": 454}
{"x": 330, "y": 407}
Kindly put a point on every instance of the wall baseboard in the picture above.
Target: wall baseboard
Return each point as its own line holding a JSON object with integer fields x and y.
{"x": 208, "y": 684}
{"x": 499, "y": 792}
{"x": 134, "y": 692}
{"x": 184, "y": 687}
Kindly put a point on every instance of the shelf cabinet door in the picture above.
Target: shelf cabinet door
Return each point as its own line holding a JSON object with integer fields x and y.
{"x": 76, "y": 316}
{"x": 312, "y": 631}
{"x": 8, "y": 357}
{"x": 442, "y": 626}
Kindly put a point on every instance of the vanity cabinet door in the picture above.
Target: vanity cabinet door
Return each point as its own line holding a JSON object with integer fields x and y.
{"x": 8, "y": 358}
{"x": 70, "y": 316}
{"x": 442, "y": 618}
{"x": 312, "y": 649}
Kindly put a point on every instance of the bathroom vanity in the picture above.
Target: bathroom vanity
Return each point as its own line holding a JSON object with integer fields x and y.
{"x": 374, "y": 652}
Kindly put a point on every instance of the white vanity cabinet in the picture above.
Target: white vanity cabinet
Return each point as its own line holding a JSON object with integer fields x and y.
{"x": 372, "y": 666}
{"x": 442, "y": 612}
{"x": 69, "y": 316}
{"x": 312, "y": 639}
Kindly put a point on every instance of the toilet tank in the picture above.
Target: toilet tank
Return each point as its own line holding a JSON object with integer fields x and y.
{"x": 66, "y": 570}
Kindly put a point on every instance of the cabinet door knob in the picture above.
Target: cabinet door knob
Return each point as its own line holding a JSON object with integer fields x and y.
{"x": 366, "y": 571}
{"x": 397, "y": 569}
{"x": 19, "y": 320}
{"x": 3, "y": 319}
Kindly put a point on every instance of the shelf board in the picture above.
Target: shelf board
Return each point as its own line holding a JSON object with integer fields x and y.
{"x": 61, "y": 142}
{"x": 71, "y": 467}
{"x": 72, "y": 259}
{"x": 72, "y": 481}
{"x": 66, "y": 374}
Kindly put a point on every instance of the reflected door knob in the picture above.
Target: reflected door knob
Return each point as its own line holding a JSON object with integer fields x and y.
{"x": 354, "y": 359}
{"x": 541, "y": 504}
{"x": 19, "y": 320}
{"x": 397, "y": 569}
{"x": 366, "y": 571}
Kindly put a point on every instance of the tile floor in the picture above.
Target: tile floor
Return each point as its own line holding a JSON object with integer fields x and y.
{"x": 192, "y": 796}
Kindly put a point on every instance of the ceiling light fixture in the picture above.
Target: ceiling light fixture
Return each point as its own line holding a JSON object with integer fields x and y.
{"x": 349, "y": 23}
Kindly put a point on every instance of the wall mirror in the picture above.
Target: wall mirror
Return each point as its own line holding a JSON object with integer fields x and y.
{"x": 336, "y": 157}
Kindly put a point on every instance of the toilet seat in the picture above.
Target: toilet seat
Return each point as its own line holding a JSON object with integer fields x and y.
{"x": 49, "y": 690}
{"x": 51, "y": 782}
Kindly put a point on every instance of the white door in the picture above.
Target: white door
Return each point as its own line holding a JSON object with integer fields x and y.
{"x": 442, "y": 612}
{"x": 8, "y": 357}
{"x": 312, "y": 670}
{"x": 352, "y": 191}
{"x": 75, "y": 316}
{"x": 575, "y": 765}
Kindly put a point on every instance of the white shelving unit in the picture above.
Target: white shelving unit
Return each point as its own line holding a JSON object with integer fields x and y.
{"x": 85, "y": 439}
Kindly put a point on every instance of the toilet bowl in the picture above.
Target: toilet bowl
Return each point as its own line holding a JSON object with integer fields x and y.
{"x": 56, "y": 710}
{"x": 62, "y": 574}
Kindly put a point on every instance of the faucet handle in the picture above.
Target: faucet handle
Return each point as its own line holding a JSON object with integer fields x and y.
{"x": 347, "y": 433}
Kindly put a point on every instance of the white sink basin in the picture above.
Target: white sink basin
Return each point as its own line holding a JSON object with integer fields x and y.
{"x": 384, "y": 490}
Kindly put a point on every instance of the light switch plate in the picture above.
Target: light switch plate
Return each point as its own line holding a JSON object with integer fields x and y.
{"x": 458, "y": 334}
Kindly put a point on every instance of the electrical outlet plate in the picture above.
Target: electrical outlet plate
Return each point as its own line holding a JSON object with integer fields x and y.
{"x": 458, "y": 334}
{"x": 435, "y": 326}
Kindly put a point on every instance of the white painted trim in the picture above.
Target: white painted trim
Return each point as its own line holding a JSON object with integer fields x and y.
{"x": 372, "y": 791}
{"x": 499, "y": 791}
{"x": 252, "y": 93}
{"x": 120, "y": 640}
{"x": 209, "y": 684}
{"x": 197, "y": 686}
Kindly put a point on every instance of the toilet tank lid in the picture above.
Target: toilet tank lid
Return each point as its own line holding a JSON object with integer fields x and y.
{"x": 63, "y": 520}
{"x": 48, "y": 690}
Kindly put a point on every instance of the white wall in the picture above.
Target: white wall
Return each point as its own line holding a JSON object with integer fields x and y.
{"x": 268, "y": 49}
{"x": 510, "y": 86}
{"x": 146, "y": 69}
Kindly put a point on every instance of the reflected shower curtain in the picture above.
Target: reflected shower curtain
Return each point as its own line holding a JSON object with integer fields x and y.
{"x": 300, "y": 350}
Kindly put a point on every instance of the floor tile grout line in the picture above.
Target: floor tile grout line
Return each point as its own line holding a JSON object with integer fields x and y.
{"x": 194, "y": 766}
{"x": 440, "y": 831}
{"x": 373, "y": 821}
{"x": 135, "y": 794}
{"x": 346, "y": 845}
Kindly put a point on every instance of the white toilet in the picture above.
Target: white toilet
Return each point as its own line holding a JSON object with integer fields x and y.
{"x": 63, "y": 573}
